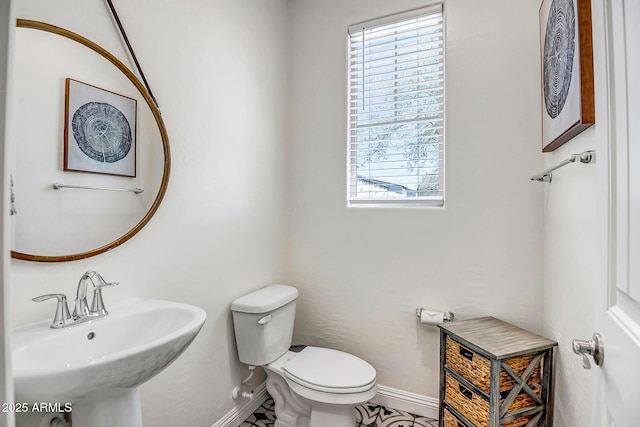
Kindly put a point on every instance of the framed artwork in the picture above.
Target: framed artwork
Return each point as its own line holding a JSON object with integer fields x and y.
{"x": 99, "y": 130}
{"x": 567, "y": 70}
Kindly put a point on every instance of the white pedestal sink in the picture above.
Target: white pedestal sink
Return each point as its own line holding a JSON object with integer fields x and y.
{"x": 98, "y": 365}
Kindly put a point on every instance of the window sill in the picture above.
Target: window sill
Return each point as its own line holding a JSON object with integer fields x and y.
{"x": 405, "y": 204}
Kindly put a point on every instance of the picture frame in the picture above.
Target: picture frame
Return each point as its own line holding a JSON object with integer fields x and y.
{"x": 566, "y": 47}
{"x": 99, "y": 130}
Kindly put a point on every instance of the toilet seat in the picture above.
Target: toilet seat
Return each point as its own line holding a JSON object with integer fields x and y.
{"x": 330, "y": 371}
{"x": 309, "y": 383}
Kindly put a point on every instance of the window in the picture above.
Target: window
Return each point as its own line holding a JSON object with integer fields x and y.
{"x": 396, "y": 109}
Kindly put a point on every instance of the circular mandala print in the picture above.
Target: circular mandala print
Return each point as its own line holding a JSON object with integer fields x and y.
{"x": 102, "y": 132}
{"x": 559, "y": 49}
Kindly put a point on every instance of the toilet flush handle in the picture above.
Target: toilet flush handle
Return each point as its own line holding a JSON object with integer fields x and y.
{"x": 264, "y": 320}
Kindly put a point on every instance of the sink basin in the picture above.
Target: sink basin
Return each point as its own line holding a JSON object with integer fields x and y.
{"x": 137, "y": 340}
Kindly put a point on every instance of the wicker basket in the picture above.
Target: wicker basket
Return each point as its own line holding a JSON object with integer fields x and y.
{"x": 475, "y": 408}
{"x": 450, "y": 420}
{"x": 518, "y": 423}
{"x": 476, "y": 368}
{"x": 469, "y": 404}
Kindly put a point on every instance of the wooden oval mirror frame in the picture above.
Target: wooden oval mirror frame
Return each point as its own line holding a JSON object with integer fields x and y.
{"x": 36, "y": 25}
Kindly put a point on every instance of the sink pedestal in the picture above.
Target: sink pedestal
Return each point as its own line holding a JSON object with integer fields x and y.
{"x": 116, "y": 407}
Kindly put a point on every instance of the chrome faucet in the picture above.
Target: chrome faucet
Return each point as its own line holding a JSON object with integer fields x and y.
{"x": 81, "y": 313}
{"x": 81, "y": 309}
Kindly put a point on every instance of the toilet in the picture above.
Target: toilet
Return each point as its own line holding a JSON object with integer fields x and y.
{"x": 310, "y": 386}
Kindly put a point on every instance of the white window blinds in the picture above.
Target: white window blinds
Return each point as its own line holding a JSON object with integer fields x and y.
{"x": 396, "y": 109}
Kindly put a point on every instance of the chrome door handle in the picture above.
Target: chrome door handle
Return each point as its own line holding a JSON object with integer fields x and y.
{"x": 593, "y": 348}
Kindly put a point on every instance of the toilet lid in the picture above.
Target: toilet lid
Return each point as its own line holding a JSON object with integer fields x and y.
{"x": 334, "y": 371}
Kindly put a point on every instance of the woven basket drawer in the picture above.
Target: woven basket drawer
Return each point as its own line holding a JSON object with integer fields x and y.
{"x": 469, "y": 404}
{"x": 475, "y": 408}
{"x": 519, "y": 422}
{"x": 476, "y": 368}
{"x": 450, "y": 420}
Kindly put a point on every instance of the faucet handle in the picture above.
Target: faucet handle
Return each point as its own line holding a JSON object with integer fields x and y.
{"x": 97, "y": 305}
{"x": 105, "y": 284}
{"x": 62, "y": 316}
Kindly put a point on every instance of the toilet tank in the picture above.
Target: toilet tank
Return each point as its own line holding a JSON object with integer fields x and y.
{"x": 263, "y": 322}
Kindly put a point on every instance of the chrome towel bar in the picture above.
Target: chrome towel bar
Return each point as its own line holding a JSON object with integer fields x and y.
{"x": 57, "y": 186}
{"x": 585, "y": 157}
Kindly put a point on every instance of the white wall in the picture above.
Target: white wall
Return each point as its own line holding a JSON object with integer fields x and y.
{"x": 362, "y": 272}
{"x": 218, "y": 71}
{"x": 220, "y": 231}
{"x": 573, "y": 262}
{"x": 6, "y": 386}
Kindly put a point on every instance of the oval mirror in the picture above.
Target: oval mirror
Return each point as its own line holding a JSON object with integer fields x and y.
{"x": 68, "y": 94}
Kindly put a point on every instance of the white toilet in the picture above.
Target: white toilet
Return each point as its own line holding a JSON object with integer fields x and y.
{"x": 310, "y": 386}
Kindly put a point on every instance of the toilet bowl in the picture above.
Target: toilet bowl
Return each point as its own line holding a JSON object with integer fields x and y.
{"x": 319, "y": 387}
{"x": 310, "y": 386}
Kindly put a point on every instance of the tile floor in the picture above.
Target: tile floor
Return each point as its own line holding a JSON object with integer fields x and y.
{"x": 367, "y": 415}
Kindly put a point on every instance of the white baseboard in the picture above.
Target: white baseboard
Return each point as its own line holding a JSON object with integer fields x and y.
{"x": 387, "y": 396}
{"x": 406, "y": 401}
{"x": 237, "y": 415}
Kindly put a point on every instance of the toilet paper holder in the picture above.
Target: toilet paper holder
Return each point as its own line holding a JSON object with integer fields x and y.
{"x": 448, "y": 316}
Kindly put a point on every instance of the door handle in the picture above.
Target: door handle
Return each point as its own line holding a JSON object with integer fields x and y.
{"x": 593, "y": 348}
